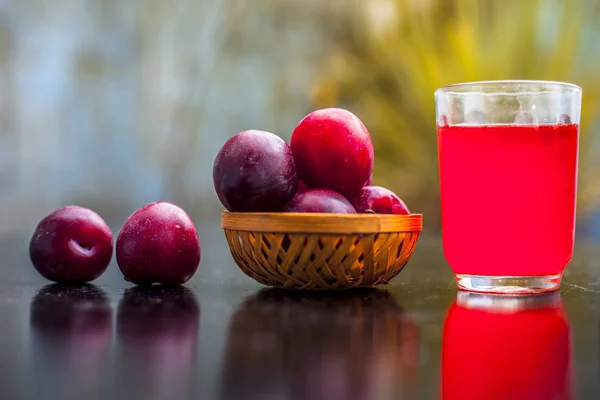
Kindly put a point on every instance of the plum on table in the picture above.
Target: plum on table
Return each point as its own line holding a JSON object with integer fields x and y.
{"x": 71, "y": 245}
{"x": 158, "y": 244}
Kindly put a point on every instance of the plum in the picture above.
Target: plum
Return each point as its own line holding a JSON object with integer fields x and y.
{"x": 254, "y": 172}
{"x": 71, "y": 245}
{"x": 158, "y": 244}
{"x": 320, "y": 201}
{"x": 333, "y": 150}
{"x": 378, "y": 200}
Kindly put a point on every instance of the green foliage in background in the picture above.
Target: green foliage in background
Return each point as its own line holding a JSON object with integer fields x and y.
{"x": 388, "y": 56}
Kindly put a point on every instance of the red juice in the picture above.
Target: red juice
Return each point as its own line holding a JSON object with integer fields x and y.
{"x": 508, "y": 198}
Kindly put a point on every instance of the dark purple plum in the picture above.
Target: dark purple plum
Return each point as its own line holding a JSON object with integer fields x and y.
{"x": 72, "y": 245}
{"x": 158, "y": 244}
{"x": 378, "y": 200}
{"x": 254, "y": 172}
{"x": 320, "y": 201}
{"x": 333, "y": 150}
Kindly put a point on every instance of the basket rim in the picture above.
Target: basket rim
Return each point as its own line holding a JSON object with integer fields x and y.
{"x": 320, "y": 223}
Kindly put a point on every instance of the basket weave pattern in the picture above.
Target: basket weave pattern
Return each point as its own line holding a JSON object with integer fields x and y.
{"x": 320, "y": 261}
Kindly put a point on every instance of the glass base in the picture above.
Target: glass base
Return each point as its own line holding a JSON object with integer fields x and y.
{"x": 509, "y": 284}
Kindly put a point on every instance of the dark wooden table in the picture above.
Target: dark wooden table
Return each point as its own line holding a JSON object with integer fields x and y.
{"x": 222, "y": 336}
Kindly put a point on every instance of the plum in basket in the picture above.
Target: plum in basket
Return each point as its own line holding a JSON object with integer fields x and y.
{"x": 333, "y": 150}
{"x": 255, "y": 172}
{"x": 320, "y": 201}
{"x": 379, "y": 200}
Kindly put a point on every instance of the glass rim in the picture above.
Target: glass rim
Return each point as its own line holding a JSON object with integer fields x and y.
{"x": 554, "y": 87}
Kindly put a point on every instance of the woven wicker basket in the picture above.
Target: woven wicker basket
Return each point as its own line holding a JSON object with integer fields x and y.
{"x": 305, "y": 251}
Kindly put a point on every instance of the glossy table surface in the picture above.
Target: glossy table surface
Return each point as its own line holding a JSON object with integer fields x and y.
{"x": 223, "y": 336}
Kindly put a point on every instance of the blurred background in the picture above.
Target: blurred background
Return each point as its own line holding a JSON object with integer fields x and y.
{"x": 112, "y": 104}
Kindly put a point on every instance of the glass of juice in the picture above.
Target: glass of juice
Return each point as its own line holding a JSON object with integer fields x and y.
{"x": 508, "y": 179}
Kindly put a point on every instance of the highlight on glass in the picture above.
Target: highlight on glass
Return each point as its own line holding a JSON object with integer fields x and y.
{"x": 508, "y": 155}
